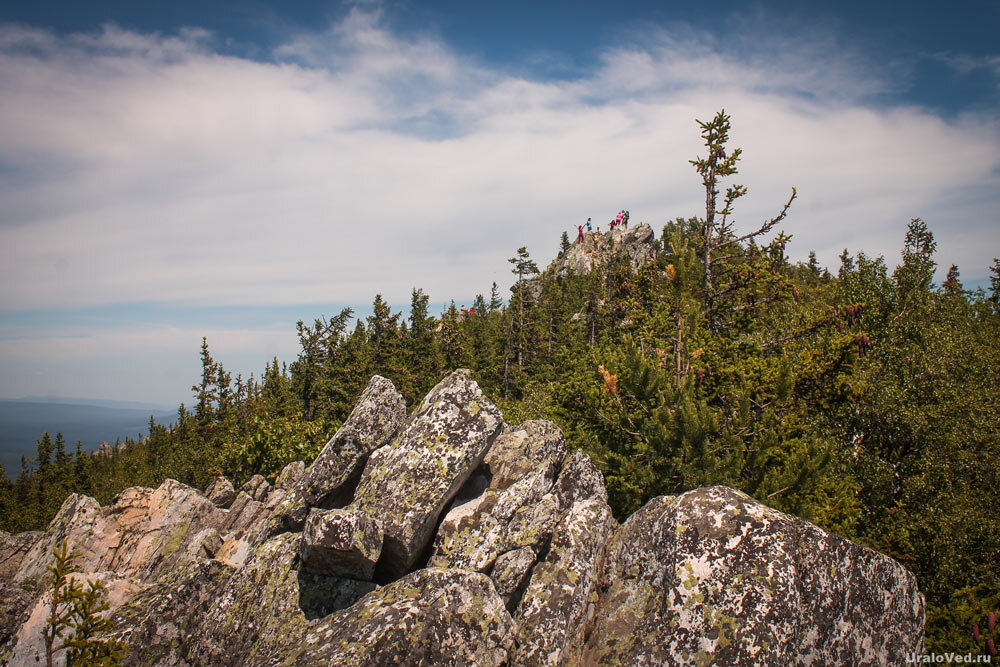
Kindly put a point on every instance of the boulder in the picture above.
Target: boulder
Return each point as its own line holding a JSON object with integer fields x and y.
{"x": 715, "y": 577}
{"x": 406, "y": 485}
{"x": 330, "y": 480}
{"x": 162, "y": 623}
{"x": 342, "y": 543}
{"x": 511, "y": 573}
{"x": 514, "y": 510}
{"x": 256, "y": 488}
{"x": 374, "y": 422}
{"x": 560, "y": 597}
{"x": 430, "y": 617}
{"x": 79, "y": 523}
{"x": 221, "y": 492}
{"x": 265, "y": 608}
{"x": 290, "y": 476}
{"x": 579, "y": 480}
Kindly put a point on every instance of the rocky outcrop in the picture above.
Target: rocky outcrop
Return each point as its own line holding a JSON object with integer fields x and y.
{"x": 431, "y": 617}
{"x": 739, "y": 583}
{"x": 329, "y": 482}
{"x": 515, "y": 510}
{"x": 342, "y": 543}
{"x": 493, "y": 545}
{"x": 637, "y": 244}
{"x": 407, "y": 485}
{"x": 221, "y": 492}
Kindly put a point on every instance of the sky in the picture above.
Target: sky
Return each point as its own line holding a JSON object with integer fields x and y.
{"x": 176, "y": 170}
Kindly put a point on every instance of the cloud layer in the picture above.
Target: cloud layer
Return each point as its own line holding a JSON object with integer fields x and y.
{"x": 143, "y": 167}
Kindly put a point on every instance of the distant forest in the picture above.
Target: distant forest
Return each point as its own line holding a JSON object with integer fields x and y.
{"x": 865, "y": 400}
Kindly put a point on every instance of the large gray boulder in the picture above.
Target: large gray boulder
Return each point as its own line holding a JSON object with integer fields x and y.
{"x": 560, "y": 597}
{"x": 330, "y": 480}
{"x": 430, "y": 617}
{"x": 407, "y": 485}
{"x": 267, "y": 606}
{"x": 713, "y": 577}
{"x": 516, "y": 510}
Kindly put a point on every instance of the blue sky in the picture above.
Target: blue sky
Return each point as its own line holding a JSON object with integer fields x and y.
{"x": 174, "y": 170}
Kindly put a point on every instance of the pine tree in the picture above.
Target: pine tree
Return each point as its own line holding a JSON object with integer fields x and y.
{"x": 952, "y": 285}
{"x": 719, "y": 243}
{"x": 205, "y": 393}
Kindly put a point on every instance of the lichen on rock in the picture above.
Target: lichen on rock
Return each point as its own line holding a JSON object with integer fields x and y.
{"x": 406, "y": 486}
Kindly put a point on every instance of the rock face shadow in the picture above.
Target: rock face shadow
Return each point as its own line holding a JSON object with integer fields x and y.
{"x": 321, "y": 595}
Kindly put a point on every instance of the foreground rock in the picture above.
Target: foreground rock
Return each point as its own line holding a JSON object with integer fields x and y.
{"x": 560, "y": 597}
{"x": 738, "y": 583}
{"x": 431, "y": 617}
{"x": 405, "y": 486}
{"x": 515, "y": 510}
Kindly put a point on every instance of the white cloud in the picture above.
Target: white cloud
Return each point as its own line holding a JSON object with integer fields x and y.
{"x": 144, "y": 167}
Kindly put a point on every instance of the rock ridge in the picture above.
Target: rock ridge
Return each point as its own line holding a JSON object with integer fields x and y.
{"x": 448, "y": 537}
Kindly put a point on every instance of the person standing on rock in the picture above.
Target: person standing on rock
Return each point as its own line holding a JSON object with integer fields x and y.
{"x": 618, "y": 220}
{"x": 588, "y": 225}
{"x": 625, "y": 220}
{"x": 579, "y": 236}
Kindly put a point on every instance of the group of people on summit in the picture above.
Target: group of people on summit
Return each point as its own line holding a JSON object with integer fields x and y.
{"x": 619, "y": 220}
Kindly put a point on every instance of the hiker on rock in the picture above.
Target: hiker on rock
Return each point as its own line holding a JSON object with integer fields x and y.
{"x": 618, "y": 220}
{"x": 579, "y": 236}
{"x": 588, "y": 225}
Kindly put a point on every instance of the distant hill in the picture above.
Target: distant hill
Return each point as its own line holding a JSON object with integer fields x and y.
{"x": 23, "y": 420}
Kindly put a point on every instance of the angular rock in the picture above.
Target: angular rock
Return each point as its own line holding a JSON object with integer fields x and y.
{"x": 511, "y": 573}
{"x": 256, "y": 612}
{"x": 579, "y": 480}
{"x": 141, "y": 533}
{"x": 153, "y": 527}
{"x": 406, "y": 486}
{"x": 257, "y": 488}
{"x": 560, "y": 597}
{"x": 715, "y": 577}
{"x": 162, "y": 624}
{"x": 374, "y": 422}
{"x": 13, "y": 549}
{"x": 330, "y": 480}
{"x": 78, "y": 522}
{"x": 510, "y": 513}
{"x": 221, "y": 492}
{"x": 266, "y": 606}
{"x": 342, "y": 543}
{"x": 430, "y": 617}
{"x": 861, "y": 607}
{"x": 290, "y": 476}
{"x": 205, "y": 544}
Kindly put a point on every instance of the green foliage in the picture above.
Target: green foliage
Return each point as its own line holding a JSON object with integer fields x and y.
{"x": 272, "y": 443}
{"x": 75, "y": 622}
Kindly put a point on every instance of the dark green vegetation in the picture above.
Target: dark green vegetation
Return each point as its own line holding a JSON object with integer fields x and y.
{"x": 866, "y": 401}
